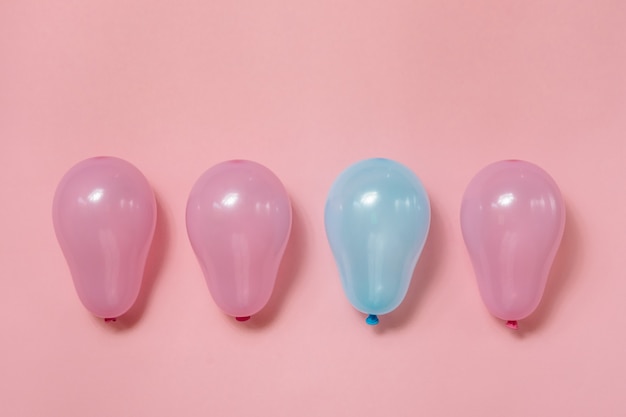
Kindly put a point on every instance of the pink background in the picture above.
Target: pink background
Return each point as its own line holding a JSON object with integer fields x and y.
{"x": 307, "y": 88}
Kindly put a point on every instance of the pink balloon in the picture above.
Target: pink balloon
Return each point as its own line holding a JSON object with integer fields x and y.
{"x": 238, "y": 222}
{"x": 104, "y": 215}
{"x": 512, "y": 218}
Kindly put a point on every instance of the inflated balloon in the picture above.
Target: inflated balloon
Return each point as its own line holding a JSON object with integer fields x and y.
{"x": 104, "y": 215}
{"x": 238, "y": 222}
{"x": 512, "y": 218}
{"x": 377, "y": 219}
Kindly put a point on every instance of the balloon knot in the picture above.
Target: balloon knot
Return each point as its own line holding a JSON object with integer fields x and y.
{"x": 372, "y": 320}
{"x": 110, "y": 319}
{"x": 512, "y": 324}
{"x": 242, "y": 318}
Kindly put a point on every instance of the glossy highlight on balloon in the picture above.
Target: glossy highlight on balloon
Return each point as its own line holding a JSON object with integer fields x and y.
{"x": 104, "y": 214}
{"x": 377, "y": 219}
{"x": 512, "y": 219}
{"x": 238, "y": 222}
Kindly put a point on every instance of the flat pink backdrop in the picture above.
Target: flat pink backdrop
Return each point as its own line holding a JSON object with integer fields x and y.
{"x": 307, "y": 88}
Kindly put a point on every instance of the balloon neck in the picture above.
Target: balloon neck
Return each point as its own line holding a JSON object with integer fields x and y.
{"x": 512, "y": 324}
{"x": 242, "y": 318}
{"x": 110, "y": 319}
{"x": 372, "y": 320}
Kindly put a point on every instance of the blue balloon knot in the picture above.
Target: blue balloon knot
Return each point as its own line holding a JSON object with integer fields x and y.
{"x": 372, "y": 320}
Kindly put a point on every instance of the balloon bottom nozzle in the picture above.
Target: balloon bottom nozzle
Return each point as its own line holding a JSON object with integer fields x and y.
{"x": 372, "y": 320}
{"x": 512, "y": 324}
{"x": 242, "y": 318}
{"x": 110, "y": 319}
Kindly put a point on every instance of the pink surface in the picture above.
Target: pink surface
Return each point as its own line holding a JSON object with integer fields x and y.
{"x": 307, "y": 88}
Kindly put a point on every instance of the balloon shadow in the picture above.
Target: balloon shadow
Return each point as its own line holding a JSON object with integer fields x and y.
{"x": 422, "y": 278}
{"x": 559, "y": 278}
{"x": 287, "y": 274}
{"x": 154, "y": 263}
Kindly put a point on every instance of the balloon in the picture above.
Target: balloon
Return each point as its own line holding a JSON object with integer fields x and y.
{"x": 512, "y": 218}
{"x": 238, "y": 222}
{"x": 104, "y": 215}
{"x": 377, "y": 219}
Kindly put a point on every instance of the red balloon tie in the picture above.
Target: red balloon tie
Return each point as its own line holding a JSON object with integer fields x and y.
{"x": 110, "y": 319}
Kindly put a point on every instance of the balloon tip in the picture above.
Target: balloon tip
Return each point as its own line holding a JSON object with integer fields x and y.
{"x": 372, "y": 320}
{"x": 242, "y": 318}
{"x": 512, "y": 324}
{"x": 110, "y": 319}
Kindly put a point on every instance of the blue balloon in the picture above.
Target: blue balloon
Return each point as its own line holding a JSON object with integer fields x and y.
{"x": 377, "y": 218}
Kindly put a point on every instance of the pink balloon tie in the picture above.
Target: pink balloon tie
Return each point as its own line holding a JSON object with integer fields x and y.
{"x": 512, "y": 324}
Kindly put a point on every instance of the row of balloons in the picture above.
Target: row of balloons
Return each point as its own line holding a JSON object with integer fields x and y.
{"x": 377, "y": 219}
